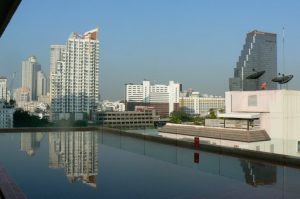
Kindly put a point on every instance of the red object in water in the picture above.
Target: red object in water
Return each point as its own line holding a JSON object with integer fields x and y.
{"x": 196, "y": 142}
{"x": 196, "y": 157}
{"x": 263, "y": 86}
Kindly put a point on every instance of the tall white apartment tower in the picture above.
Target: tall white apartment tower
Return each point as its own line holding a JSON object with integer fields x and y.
{"x": 3, "y": 88}
{"x": 30, "y": 67}
{"x": 74, "y": 75}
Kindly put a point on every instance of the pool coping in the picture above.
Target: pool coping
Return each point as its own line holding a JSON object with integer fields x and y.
{"x": 273, "y": 158}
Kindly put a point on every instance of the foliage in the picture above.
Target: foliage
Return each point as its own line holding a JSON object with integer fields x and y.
{"x": 24, "y": 119}
{"x": 198, "y": 120}
{"x": 12, "y": 102}
{"x": 222, "y": 110}
{"x": 212, "y": 114}
{"x": 179, "y": 117}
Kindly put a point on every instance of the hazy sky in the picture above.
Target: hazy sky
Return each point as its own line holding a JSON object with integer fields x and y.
{"x": 194, "y": 42}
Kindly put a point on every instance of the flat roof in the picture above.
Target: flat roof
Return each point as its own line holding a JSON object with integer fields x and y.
{"x": 240, "y": 115}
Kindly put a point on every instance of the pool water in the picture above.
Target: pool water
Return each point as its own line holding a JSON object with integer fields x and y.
{"x": 105, "y": 165}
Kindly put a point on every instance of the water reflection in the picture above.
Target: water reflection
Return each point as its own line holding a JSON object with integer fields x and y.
{"x": 258, "y": 174}
{"x": 30, "y": 142}
{"x": 139, "y": 165}
{"x": 253, "y": 173}
{"x": 77, "y": 153}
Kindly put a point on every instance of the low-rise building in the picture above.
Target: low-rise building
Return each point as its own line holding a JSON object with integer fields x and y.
{"x": 195, "y": 104}
{"x": 6, "y": 115}
{"x": 163, "y": 98}
{"x": 111, "y": 106}
{"x": 128, "y": 119}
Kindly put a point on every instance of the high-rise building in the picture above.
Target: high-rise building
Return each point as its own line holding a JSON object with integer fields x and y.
{"x": 74, "y": 78}
{"x": 163, "y": 98}
{"x": 30, "y": 67}
{"x": 42, "y": 84}
{"x": 3, "y": 88}
{"x": 258, "y": 54}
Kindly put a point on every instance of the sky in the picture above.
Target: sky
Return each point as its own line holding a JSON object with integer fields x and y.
{"x": 194, "y": 42}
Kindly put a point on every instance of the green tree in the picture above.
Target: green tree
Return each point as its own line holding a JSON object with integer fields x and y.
{"x": 24, "y": 119}
{"x": 179, "y": 117}
{"x": 212, "y": 114}
{"x": 198, "y": 120}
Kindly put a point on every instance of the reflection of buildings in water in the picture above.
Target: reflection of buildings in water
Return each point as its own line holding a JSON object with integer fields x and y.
{"x": 77, "y": 153}
{"x": 257, "y": 174}
{"x": 30, "y": 142}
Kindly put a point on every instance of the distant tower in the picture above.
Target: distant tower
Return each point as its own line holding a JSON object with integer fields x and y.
{"x": 3, "y": 88}
{"x": 74, "y": 78}
{"x": 42, "y": 83}
{"x": 30, "y": 67}
{"x": 258, "y": 54}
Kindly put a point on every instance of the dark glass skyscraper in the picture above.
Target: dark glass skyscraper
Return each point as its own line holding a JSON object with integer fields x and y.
{"x": 258, "y": 54}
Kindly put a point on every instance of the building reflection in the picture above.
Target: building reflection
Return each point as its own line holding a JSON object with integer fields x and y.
{"x": 258, "y": 174}
{"x": 30, "y": 142}
{"x": 77, "y": 153}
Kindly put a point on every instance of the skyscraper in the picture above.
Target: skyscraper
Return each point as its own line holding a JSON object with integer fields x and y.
{"x": 30, "y": 67}
{"x": 74, "y": 78}
{"x": 259, "y": 53}
{"x": 3, "y": 88}
{"x": 42, "y": 83}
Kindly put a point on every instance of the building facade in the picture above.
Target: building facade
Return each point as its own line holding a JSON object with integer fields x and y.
{"x": 3, "y": 88}
{"x": 74, "y": 78}
{"x": 258, "y": 54}
{"x": 22, "y": 95}
{"x": 163, "y": 98}
{"x": 199, "y": 105}
{"x": 42, "y": 84}
{"x": 142, "y": 118}
{"x": 6, "y": 116}
{"x": 30, "y": 68}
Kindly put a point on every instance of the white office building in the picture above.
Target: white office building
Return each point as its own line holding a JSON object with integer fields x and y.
{"x": 195, "y": 104}
{"x": 164, "y": 98}
{"x": 74, "y": 78}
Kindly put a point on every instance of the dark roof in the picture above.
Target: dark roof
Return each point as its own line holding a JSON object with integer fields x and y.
{"x": 7, "y": 10}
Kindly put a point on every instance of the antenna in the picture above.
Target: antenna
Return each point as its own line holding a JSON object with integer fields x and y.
{"x": 283, "y": 51}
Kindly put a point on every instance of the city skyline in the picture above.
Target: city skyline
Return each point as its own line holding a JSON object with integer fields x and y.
{"x": 182, "y": 41}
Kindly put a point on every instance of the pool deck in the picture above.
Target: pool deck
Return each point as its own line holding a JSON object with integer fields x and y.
{"x": 8, "y": 188}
